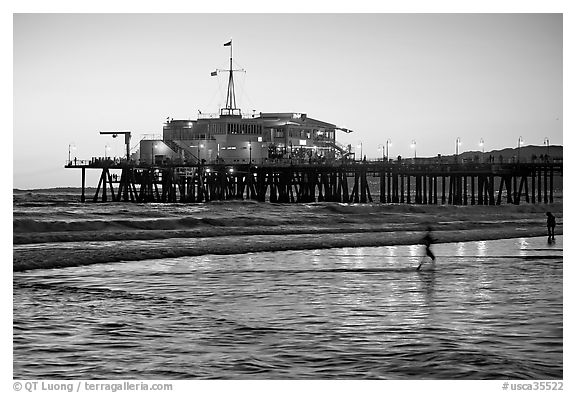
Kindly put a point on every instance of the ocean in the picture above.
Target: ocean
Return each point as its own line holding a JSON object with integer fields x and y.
{"x": 244, "y": 290}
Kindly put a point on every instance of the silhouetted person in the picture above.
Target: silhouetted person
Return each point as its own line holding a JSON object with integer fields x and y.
{"x": 550, "y": 223}
{"x": 427, "y": 240}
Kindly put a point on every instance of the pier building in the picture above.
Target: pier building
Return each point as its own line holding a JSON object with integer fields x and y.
{"x": 240, "y": 139}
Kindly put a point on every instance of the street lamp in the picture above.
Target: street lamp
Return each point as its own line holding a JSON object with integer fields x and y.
{"x": 547, "y": 143}
{"x": 413, "y": 146}
{"x": 388, "y": 143}
{"x": 70, "y": 147}
{"x": 381, "y": 148}
{"x": 520, "y": 143}
{"x": 457, "y": 146}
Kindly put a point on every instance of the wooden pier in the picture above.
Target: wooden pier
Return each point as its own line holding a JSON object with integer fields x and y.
{"x": 353, "y": 182}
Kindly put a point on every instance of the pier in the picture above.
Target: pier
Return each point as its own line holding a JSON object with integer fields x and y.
{"x": 346, "y": 182}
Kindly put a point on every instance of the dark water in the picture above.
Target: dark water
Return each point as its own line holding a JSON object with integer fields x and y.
{"x": 487, "y": 310}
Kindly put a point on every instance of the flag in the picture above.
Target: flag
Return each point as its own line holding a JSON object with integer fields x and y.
{"x": 214, "y": 73}
{"x": 228, "y": 43}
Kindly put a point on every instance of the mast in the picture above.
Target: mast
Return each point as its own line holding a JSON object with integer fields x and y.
{"x": 230, "y": 96}
{"x": 230, "y": 108}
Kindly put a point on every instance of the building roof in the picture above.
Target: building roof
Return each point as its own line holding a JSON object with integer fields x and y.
{"x": 273, "y": 119}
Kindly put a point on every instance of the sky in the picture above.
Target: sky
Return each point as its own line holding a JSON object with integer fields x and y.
{"x": 431, "y": 78}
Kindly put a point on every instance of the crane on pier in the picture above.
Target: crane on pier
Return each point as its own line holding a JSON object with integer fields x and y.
{"x": 127, "y": 136}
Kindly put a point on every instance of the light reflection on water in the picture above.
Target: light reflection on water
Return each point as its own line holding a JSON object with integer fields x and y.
{"x": 486, "y": 310}
{"x": 415, "y": 252}
{"x": 460, "y": 249}
{"x": 482, "y": 248}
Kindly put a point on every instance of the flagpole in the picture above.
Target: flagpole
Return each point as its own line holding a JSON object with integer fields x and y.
{"x": 230, "y": 55}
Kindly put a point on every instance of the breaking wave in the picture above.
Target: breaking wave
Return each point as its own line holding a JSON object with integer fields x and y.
{"x": 58, "y": 232}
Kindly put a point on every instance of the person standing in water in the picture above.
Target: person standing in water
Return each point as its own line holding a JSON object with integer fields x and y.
{"x": 427, "y": 240}
{"x": 551, "y": 224}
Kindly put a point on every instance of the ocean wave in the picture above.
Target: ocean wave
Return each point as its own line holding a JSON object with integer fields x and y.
{"x": 27, "y": 225}
{"x": 164, "y": 230}
{"x": 58, "y": 255}
{"x": 28, "y": 231}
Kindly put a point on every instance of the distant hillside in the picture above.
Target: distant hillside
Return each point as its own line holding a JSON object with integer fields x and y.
{"x": 52, "y": 190}
{"x": 509, "y": 154}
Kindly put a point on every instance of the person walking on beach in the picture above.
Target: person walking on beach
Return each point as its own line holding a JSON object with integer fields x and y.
{"x": 550, "y": 223}
{"x": 427, "y": 240}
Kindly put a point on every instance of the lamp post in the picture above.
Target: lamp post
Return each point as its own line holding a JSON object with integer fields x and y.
{"x": 520, "y": 142}
{"x": 457, "y": 146}
{"x": 70, "y": 147}
{"x": 413, "y": 146}
{"x": 547, "y": 143}
{"x": 482, "y": 146}
{"x": 388, "y": 143}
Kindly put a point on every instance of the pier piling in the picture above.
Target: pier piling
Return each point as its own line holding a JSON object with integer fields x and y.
{"x": 455, "y": 184}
